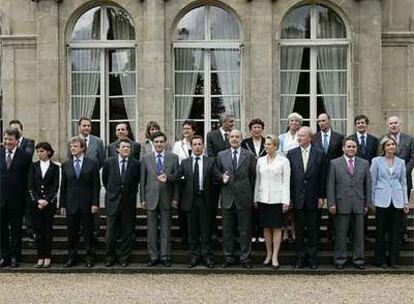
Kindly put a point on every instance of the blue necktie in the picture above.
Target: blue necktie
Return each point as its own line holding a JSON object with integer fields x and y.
{"x": 362, "y": 146}
{"x": 77, "y": 168}
{"x": 159, "y": 164}
{"x": 325, "y": 143}
{"x": 234, "y": 160}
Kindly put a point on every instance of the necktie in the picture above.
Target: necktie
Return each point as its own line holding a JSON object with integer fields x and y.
{"x": 351, "y": 166}
{"x": 77, "y": 168}
{"x": 9, "y": 159}
{"x": 305, "y": 157}
{"x": 325, "y": 143}
{"x": 123, "y": 170}
{"x": 362, "y": 145}
{"x": 234, "y": 160}
{"x": 159, "y": 164}
{"x": 226, "y": 139}
{"x": 196, "y": 177}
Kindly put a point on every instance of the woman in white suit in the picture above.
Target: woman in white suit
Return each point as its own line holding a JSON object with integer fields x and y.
{"x": 182, "y": 148}
{"x": 389, "y": 195}
{"x": 272, "y": 196}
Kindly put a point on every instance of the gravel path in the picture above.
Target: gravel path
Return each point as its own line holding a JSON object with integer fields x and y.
{"x": 182, "y": 288}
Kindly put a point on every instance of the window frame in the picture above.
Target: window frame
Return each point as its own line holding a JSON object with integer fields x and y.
{"x": 313, "y": 43}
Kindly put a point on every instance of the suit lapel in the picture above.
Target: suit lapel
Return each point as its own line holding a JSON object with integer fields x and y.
{"x": 38, "y": 170}
{"x": 116, "y": 167}
{"x": 311, "y": 158}
{"x": 205, "y": 164}
{"x": 242, "y": 157}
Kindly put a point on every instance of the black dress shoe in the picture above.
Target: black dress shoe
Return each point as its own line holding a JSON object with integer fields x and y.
{"x": 339, "y": 266}
{"x": 313, "y": 266}
{"x": 89, "y": 263}
{"x": 247, "y": 265}
{"x": 4, "y": 263}
{"x": 380, "y": 265}
{"x": 275, "y": 267}
{"x": 193, "y": 263}
{"x": 395, "y": 266}
{"x": 359, "y": 266}
{"x": 299, "y": 264}
{"x": 166, "y": 263}
{"x": 124, "y": 264}
{"x": 209, "y": 263}
{"x": 14, "y": 263}
{"x": 152, "y": 263}
{"x": 109, "y": 262}
{"x": 227, "y": 264}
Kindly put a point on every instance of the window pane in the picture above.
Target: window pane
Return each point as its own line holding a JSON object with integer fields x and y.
{"x": 121, "y": 60}
{"x": 189, "y": 83}
{"x": 225, "y": 83}
{"x": 294, "y": 82}
{"x": 332, "y": 82}
{"x": 297, "y": 104}
{"x": 122, "y": 84}
{"x": 189, "y": 108}
{"x": 332, "y": 58}
{"x": 199, "y": 129}
{"x": 88, "y": 25}
{"x": 85, "y": 60}
{"x": 223, "y": 24}
{"x": 85, "y": 106}
{"x": 294, "y": 58}
{"x": 229, "y": 105}
{"x": 188, "y": 60}
{"x": 330, "y": 24}
{"x": 296, "y": 24}
{"x": 118, "y": 108}
{"x": 120, "y": 25}
{"x": 86, "y": 84}
{"x": 191, "y": 26}
{"x": 335, "y": 106}
{"x": 225, "y": 60}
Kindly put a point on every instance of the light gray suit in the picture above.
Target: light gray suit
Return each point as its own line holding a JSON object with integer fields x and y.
{"x": 350, "y": 194}
{"x": 158, "y": 197}
{"x": 237, "y": 201}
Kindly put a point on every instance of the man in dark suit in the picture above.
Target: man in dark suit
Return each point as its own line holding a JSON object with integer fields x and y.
{"x": 14, "y": 168}
{"x": 367, "y": 144}
{"x": 25, "y": 144}
{"x": 349, "y": 193}
{"x": 307, "y": 191}
{"x": 79, "y": 199}
{"x": 120, "y": 177}
{"x": 330, "y": 142}
{"x": 217, "y": 141}
{"x": 405, "y": 151}
{"x": 196, "y": 175}
{"x": 122, "y": 132}
{"x": 236, "y": 169}
{"x": 159, "y": 192}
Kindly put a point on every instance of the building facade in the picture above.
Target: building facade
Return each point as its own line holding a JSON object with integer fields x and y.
{"x": 171, "y": 60}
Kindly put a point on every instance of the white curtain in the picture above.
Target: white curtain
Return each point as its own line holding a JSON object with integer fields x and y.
{"x": 85, "y": 84}
{"x": 185, "y": 83}
{"x": 333, "y": 83}
{"x": 121, "y": 24}
{"x": 229, "y": 80}
{"x": 123, "y": 59}
{"x": 291, "y": 59}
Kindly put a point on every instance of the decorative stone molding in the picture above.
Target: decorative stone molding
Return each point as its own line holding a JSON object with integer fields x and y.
{"x": 397, "y": 38}
{"x": 27, "y": 41}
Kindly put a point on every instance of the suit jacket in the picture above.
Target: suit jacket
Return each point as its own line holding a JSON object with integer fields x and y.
{"x": 28, "y": 145}
{"x": 405, "y": 151}
{"x": 14, "y": 180}
{"x": 215, "y": 143}
{"x": 388, "y": 185}
{"x": 95, "y": 150}
{"x": 240, "y": 187}
{"x": 181, "y": 150}
{"x": 46, "y": 187}
{"x": 135, "y": 149}
{"x": 371, "y": 147}
{"x": 80, "y": 194}
{"x": 349, "y": 193}
{"x": 335, "y": 145}
{"x": 115, "y": 189}
{"x": 306, "y": 187}
{"x": 153, "y": 191}
{"x": 186, "y": 178}
{"x": 249, "y": 145}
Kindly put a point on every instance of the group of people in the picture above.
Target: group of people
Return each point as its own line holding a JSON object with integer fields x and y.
{"x": 257, "y": 182}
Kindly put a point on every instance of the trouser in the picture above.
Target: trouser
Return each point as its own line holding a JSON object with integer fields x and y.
{"x": 164, "y": 216}
{"x": 28, "y": 220}
{"x": 198, "y": 229}
{"x": 306, "y": 230}
{"x": 342, "y": 223}
{"x": 43, "y": 221}
{"x": 11, "y": 232}
{"x": 388, "y": 224}
{"x": 74, "y": 221}
{"x": 215, "y": 193}
{"x": 243, "y": 217}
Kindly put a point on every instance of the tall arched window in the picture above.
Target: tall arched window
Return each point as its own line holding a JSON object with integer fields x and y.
{"x": 314, "y": 66}
{"x": 207, "y": 68}
{"x": 103, "y": 71}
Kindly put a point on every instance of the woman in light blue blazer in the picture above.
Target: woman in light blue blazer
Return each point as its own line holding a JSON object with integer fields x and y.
{"x": 389, "y": 195}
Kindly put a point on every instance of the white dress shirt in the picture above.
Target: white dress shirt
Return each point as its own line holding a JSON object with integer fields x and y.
{"x": 44, "y": 165}
{"x": 237, "y": 155}
{"x": 13, "y": 152}
{"x": 120, "y": 164}
{"x": 80, "y": 161}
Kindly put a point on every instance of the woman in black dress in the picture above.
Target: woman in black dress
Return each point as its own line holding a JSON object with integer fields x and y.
{"x": 43, "y": 186}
